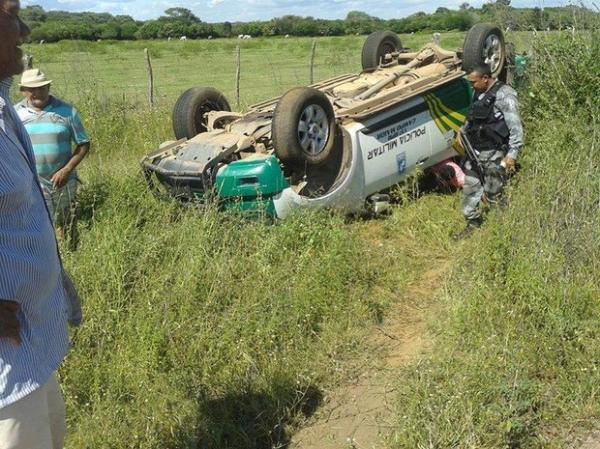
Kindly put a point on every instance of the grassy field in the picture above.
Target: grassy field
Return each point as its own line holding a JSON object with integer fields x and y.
{"x": 206, "y": 332}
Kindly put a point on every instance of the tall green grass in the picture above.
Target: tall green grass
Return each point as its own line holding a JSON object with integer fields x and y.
{"x": 517, "y": 349}
{"x": 202, "y": 330}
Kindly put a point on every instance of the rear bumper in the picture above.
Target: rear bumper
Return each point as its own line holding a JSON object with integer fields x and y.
{"x": 167, "y": 184}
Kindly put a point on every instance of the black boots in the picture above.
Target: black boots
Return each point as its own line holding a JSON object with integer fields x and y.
{"x": 472, "y": 226}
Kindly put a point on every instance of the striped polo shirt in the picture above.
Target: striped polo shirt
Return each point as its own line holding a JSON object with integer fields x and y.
{"x": 52, "y": 132}
{"x": 30, "y": 272}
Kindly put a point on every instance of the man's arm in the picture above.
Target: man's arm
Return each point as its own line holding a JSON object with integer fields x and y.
{"x": 60, "y": 178}
{"x": 80, "y": 138}
{"x": 10, "y": 326}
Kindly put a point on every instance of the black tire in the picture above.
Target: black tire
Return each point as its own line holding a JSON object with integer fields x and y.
{"x": 313, "y": 108}
{"x": 188, "y": 113}
{"x": 377, "y": 45}
{"x": 476, "y": 42}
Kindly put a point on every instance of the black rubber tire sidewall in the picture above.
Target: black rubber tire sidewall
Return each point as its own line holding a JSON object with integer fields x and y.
{"x": 285, "y": 126}
{"x": 192, "y": 103}
{"x": 374, "y": 47}
{"x": 474, "y": 43}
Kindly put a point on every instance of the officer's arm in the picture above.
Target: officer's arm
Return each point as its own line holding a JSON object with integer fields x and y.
{"x": 509, "y": 106}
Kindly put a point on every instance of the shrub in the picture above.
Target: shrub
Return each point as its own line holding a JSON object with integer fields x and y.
{"x": 518, "y": 356}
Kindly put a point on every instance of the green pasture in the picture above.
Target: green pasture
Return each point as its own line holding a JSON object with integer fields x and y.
{"x": 269, "y": 66}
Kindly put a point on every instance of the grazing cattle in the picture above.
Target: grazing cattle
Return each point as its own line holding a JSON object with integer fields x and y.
{"x": 183, "y": 38}
{"x": 287, "y": 36}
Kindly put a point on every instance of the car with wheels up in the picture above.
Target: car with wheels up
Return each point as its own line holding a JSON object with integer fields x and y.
{"x": 337, "y": 144}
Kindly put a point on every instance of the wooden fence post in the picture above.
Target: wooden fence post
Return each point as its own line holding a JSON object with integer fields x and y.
{"x": 28, "y": 62}
{"x": 312, "y": 61}
{"x": 238, "y": 75}
{"x": 150, "y": 78}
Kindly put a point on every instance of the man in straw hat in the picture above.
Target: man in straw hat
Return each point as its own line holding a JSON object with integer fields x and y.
{"x": 33, "y": 300}
{"x": 54, "y": 128}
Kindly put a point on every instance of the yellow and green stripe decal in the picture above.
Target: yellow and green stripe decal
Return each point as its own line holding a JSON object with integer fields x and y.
{"x": 445, "y": 118}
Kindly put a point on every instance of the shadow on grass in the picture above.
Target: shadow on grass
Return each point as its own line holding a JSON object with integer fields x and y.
{"x": 256, "y": 420}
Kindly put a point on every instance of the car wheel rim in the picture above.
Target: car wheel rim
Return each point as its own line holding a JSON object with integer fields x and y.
{"x": 313, "y": 130}
{"x": 199, "y": 119}
{"x": 492, "y": 52}
{"x": 387, "y": 48}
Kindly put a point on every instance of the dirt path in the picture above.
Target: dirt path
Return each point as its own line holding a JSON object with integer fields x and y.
{"x": 360, "y": 414}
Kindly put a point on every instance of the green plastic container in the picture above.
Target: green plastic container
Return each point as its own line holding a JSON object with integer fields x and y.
{"x": 249, "y": 185}
{"x": 520, "y": 65}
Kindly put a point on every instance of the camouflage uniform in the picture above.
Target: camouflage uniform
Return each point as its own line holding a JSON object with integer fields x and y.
{"x": 494, "y": 174}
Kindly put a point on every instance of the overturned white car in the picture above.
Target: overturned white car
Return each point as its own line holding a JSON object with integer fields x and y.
{"x": 334, "y": 144}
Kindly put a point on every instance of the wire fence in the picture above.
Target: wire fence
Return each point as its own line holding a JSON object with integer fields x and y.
{"x": 105, "y": 72}
{"x": 124, "y": 76}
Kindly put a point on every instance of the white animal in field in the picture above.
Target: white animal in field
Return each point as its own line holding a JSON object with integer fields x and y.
{"x": 209, "y": 37}
{"x": 287, "y": 36}
{"x": 42, "y": 42}
{"x": 247, "y": 36}
{"x": 169, "y": 38}
{"x": 240, "y": 36}
{"x": 183, "y": 38}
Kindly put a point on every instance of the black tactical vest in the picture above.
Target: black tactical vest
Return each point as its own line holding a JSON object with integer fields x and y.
{"x": 486, "y": 127}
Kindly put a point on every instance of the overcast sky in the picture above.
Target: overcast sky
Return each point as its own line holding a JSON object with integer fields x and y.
{"x": 246, "y": 10}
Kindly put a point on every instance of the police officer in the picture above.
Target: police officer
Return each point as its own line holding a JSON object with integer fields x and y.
{"x": 495, "y": 132}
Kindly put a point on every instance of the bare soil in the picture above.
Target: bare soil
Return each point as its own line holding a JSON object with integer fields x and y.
{"x": 592, "y": 441}
{"x": 360, "y": 413}
{"x": 579, "y": 439}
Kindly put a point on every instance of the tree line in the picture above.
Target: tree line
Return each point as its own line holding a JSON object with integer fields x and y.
{"x": 53, "y": 26}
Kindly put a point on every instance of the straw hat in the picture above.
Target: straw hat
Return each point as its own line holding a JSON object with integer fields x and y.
{"x": 34, "y": 78}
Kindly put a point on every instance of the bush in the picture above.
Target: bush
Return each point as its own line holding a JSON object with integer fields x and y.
{"x": 518, "y": 357}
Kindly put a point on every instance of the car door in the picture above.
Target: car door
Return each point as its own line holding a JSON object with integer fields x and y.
{"x": 394, "y": 143}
